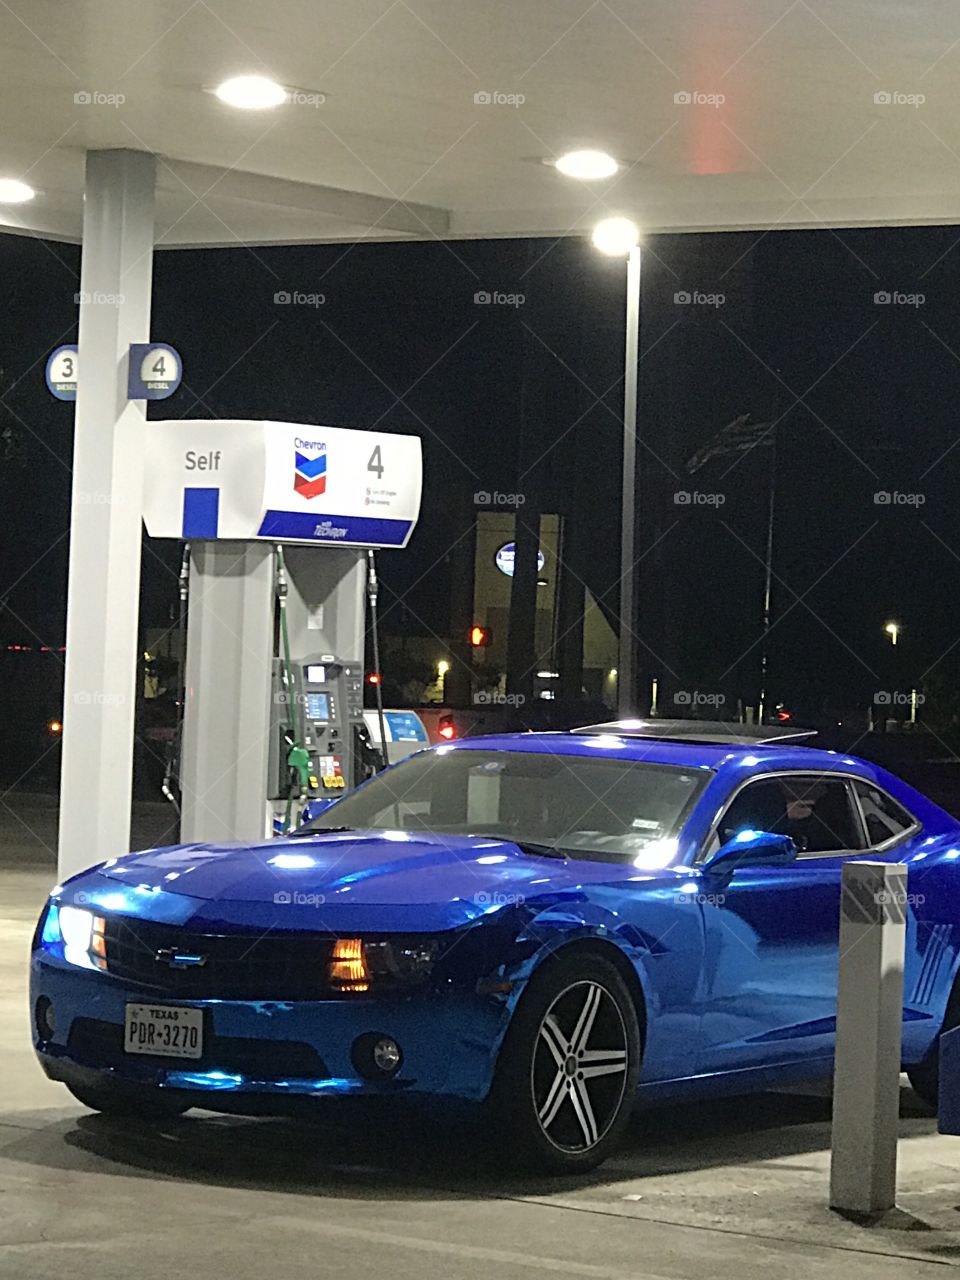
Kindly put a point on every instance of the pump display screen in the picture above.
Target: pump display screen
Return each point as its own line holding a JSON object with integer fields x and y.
{"x": 318, "y": 705}
{"x": 316, "y": 674}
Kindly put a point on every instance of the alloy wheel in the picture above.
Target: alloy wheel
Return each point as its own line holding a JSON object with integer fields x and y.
{"x": 580, "y": 1066}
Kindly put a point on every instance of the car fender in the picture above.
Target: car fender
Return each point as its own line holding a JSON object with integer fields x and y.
{"x": 654, "y": 972}
{"x": 553, "y": 938}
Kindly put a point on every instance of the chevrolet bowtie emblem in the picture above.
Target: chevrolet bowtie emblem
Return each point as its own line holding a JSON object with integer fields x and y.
{"x": 179, "y": 959}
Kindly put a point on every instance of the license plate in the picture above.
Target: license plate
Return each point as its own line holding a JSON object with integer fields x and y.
{"x": 163, "y": 1030}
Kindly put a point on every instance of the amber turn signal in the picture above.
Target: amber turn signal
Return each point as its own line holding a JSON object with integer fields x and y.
{"x": 348, "y": 969}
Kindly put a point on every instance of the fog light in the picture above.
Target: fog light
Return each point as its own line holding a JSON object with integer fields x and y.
{"x": 376, "y": 1056}
{"x": 386, "y": 1054}
{"x": 45, "y": 1018}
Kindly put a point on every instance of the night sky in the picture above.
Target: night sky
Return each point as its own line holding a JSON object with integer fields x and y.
{"x": 526, "y": 398}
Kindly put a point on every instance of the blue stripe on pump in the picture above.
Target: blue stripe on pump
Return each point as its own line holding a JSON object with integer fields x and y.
{"x": 201, "y": 513}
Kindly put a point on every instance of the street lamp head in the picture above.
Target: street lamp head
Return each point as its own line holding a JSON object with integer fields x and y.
{"x": 587, "y": 165}
{"x": 616, "y": 236}
{"x": 893, "y": 630}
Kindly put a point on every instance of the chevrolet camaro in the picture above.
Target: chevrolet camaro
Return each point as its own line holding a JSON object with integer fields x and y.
{"x": 552, "y": 926}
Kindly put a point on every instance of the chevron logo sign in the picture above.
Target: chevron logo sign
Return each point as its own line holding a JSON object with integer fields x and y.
{"x": 310, "y": 475}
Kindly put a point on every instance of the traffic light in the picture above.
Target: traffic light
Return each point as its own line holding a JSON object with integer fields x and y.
{"x": 479, "y": 636}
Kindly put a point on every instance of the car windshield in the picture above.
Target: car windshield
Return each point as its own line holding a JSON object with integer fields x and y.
{"x": 587, "y": 806}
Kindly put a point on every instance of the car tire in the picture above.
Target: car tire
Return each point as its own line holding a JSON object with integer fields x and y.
{"x": 133, "y": 1104}
{"x": 567, "y": 1074}
{"x": 925, "y": 1077}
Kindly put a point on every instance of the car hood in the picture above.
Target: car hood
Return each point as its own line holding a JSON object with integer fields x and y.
{"x": 358, "y": 880}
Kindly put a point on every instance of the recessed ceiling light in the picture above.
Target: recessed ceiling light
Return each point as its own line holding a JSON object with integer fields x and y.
{"x": 251, "y": 93}
{"x": 616, "y": 236}
{"x": 13, "y": 191}
{"x": 587, "y": 165}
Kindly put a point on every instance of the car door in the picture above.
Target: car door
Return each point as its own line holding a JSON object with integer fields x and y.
{"x": 771, "y": 933}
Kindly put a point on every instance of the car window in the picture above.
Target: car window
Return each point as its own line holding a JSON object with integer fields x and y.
{"x": 884, "y": 818}
{"x": 816, "y": 811}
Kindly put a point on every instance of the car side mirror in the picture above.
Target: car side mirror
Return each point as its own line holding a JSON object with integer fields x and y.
{"x": 751, "y": 849}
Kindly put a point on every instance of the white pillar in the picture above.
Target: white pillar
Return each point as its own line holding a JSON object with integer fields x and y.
{"x": 866, "y": 1087}
{"x": 226, "y": 732}
{"x": 326, "y": 601}
{"x": 105, "y": 530}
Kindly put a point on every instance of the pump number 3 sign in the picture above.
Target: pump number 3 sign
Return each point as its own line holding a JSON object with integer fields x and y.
{"x": 61, "y": 372}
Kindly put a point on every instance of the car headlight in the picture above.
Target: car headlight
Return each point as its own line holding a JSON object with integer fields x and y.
{"x": 357, "y": 964}
{"x": 76, "y": 927}
{"x": 82, "y": 935}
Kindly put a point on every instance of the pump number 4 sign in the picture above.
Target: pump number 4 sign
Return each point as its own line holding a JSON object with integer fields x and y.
{"x": 155, "y": 371}
{"x": 376, "y": 463}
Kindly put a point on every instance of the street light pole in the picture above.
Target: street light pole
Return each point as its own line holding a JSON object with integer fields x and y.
{"x": 768, "y": 577}
{"x": 620, "y": 238}
{"x": 627, "y": 661}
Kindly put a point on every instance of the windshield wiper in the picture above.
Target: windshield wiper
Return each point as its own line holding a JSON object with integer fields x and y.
{"x": 529, "y": 846}
{"x": 316, "y": 831}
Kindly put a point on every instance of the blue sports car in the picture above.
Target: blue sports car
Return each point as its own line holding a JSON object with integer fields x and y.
{"x": 552, "y": 925}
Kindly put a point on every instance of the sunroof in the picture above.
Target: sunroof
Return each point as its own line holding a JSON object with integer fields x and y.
{"x": 719, "y": 731}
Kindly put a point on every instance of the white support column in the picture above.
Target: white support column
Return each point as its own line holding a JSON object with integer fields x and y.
{"x": 327, "y": 601}
{"x": 105, "y": 522}
{"x": 866, "y": 1088}
{"x": 226, "y": 731}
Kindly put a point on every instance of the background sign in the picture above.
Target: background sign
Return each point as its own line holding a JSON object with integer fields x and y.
{"x": 61, "y": 372}
{"x": 154, "y": 371}
{"x": 506, "y": 557}
{"x": 281, "y": 481}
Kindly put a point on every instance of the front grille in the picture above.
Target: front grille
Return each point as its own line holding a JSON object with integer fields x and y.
{"x": 100, "y": 1044}
{"x": 236, "y": 966}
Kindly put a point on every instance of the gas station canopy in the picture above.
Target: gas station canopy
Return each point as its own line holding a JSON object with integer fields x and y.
{"x": 416, "y": 119}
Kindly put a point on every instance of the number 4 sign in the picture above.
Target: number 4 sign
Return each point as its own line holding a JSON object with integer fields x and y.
{"x": 155, "y": 370}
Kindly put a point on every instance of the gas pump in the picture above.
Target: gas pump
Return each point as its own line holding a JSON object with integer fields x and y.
{"x": 279, "y": 527}
{"x": 315, "y": 732}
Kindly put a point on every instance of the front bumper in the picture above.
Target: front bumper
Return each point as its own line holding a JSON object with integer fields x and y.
{"x": 258, "y": 1053}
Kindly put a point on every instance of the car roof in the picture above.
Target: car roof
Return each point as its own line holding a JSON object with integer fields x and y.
{"x": 668, "y": 751}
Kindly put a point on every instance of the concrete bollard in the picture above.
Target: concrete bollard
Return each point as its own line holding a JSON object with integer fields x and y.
{"x": 866, "y": 1088}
